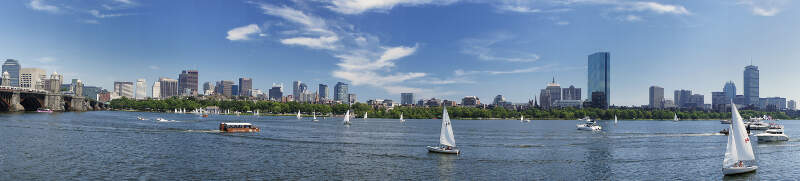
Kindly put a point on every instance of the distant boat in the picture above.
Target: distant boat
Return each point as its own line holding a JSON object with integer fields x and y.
{"x": 256, "y": 113}
{"x": 238, "y": 128}
{"x": 725, "y": 121}
{"x": 523, "y": 120}
{"x": 365, "y": 115}
{"x": 739, "y": 148}
{"x": 615, "y": 119}
{"x": 447, "y": 141}
{"x": 298, "y": 115}
{"x": 401, "y": 118}
{"x": 590, "y": 125}
{"x": 315, "y": 116}
{"x": 346, "y": 118}
{"x": 676, "y": 118}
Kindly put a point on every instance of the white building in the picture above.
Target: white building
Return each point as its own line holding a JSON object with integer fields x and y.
{"x": 32, "y": 78}
{"x": 141, "y": 89}
{"x": 156, "y": 90}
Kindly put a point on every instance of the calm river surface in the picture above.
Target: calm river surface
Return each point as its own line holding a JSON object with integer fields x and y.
{"x": 111, "y": 145}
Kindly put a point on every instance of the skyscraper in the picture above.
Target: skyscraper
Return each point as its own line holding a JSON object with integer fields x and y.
{"x": 187, "y": 82}
{"x": 656, "y": 97}
{"x": 751, "y": 85}
{"x": 406, "y": 98}
{"x": 124, "y": 89}
{"x": 169, "y": 87}
{"x": 208, "y": 88}
{"x": 234, "y": 90}
{"x": 683, "y": 98}
{"x": 554, "y": 90}
{"x": 12, "y": 67}
{"x": 245, "y": 86}
{"x": 276, "y": 92}
{"x": 32, "y": 78}
{"x": 156, "y": 90}
{"x": 296, "y": 89}
{"x": 141, "y": 90}
{"x": 571, "y": 93}
{"x": 730, "y": 90}
{"x": 599, "y": 79}
{"x": 340, "y": 92}
{"x": 224, "y": 88}
{"x": 323, "y": 91}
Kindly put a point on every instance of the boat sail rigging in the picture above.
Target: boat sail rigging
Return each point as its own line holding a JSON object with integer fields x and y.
{"x": 739, "y": 148}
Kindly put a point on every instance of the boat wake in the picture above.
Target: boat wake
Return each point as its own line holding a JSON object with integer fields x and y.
{"x": 202, "y": 131}
{"x": 634, "y": 135}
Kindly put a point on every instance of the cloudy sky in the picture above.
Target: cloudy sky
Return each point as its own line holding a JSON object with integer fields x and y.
{"x": 435, "y": 48}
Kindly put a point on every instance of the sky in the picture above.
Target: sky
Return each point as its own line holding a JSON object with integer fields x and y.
{"x": 445, "y": 49}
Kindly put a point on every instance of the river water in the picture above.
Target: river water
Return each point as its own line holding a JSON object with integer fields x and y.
{"x": 112, "y": 145}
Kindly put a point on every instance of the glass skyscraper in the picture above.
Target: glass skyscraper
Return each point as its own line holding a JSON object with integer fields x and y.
{"x": 599, "y": 79}
{"x": 730, "y": 90}
{"x": 12, "y": 67}
{"x": 751, "y": 85}
{"x": 340, "y": 92}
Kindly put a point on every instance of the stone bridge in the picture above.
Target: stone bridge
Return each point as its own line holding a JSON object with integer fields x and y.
{"x": 30, "y": 100}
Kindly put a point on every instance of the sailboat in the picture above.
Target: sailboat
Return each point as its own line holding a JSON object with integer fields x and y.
{"x": 522, "y": 119}
{"x": 739, "y": 148}
{"x": 347, "y": 118}
{"x": 315, "y": 116}
{"x": 298, "y": 115}
{"x": 447, "y": 141}
{"x": 676, "y": 118}
{"x": 365, "y": 115}
{"x": 401, "y": 118}
{"x": 615, "y": 119}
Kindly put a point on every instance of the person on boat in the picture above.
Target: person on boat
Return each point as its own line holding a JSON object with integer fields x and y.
{"x": 741, "y": 164}
{"x": 449, "y": 148}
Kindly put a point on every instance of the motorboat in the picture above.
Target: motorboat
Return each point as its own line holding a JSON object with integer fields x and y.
{"x": 739, "y": 148}
{"x": 757, "y": 125}
{"x": 590, "y": 125}
{"x": 447, "y": 141}
{"x": 141, "y": 118}
{"x": 44, "y": 110}
{"x": 775, "y": 133}
{"x": 238, "y": 127}
{"x": 164, "y": 120}
{"x": 724, "y": 131}
{"x": 725, "y": 121}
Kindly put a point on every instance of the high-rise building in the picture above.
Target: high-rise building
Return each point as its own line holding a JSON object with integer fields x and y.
{"x": 499, "y": 99}
{"x": 719, "y": 100}
{"x": 187, "y": 82}
{"x": 141, "y": 89}
{"x": 656, "y": 97}
{"x": 682, "y": 98}
{"x": 407, "y": 98}
{"x": 225, "y": 88}
{"x": 340, "y": 92}
{"x": 245, "y": 87}
{"x": 544, "y": 99}
{"x": 32, "y": 78}
{"x": 555, "y": 91}
{"x": 323, "y": 91}
{"x": 730, "y": 90}
{"x": 599, "y": 79}
{"x": 352, "y": 98}
{"x": 296, "y": 89}
{"x": 792, "y": 105}
{"x": 276, "y": 92}
{"x": 470, "y": 101}
{"x": 234, "y": 90}
{"x": 12, "y": 67}
{"x": 772, "y": 103}
{"x": 169, "y": 87}
{"x": 208, "y": 88}
{"x": 123, "y": 89}
{"x": 90, "y": 92}
{"x": 571, "y": 93}
{"x": 156, "y": 90}
{"x": 751, "y": 85}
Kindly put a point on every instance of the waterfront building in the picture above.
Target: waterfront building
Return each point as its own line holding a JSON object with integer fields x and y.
{"x": 730, "y": 90}
{"x": 340, "y": 92}
{"x": 123, "y": 89}
{"x": 188, "y": 82}
{"x": 245, "y": 87}
{"x": 696, "y": 100}
{"x": 544, "y": 99}
{"x": 555, "y": 91}
{"x": 104, "y": 96}
{"x": 6, "y": 82}
{"x": 407, "y": 98}
{"x": 90, "y": 92}
{"x": 568, "y": 103}
{"x": 792, "y": 105}
{"x": 141, "y": 89}
{"x": 499, "y": 99}
{"x": 739, "y": 100}
{"x": 276, "y": 92}
{"x": 571, "y": 93}
{"x": 433, "y": 102}
{"x": 296, "y": 88}
{"x": 683, "y": 98}
{"x": 599, "y": 79}
{"x": 323, "y": 92}
{"x": 169, "y": 87}
{"x": 352, "y": 98}
{"x": 772, "y": 103}
{"x": 751, "y": 84}
{"x": 32, "y": 78}
{"x": 470, "y": 101}
{"x": 12, "y": 67}
{"x": 720, "y": 100}
{"x": 656, "y": 99}
{"x": 156, "y": 89}
{"x": 449, "y": 103}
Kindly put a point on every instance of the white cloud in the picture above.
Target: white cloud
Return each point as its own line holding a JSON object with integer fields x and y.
{"x": 562, "y": 23}
{"x": 243, "y": 33}
{"x": 309, "y": 22}
{"x": 631, "y": 18}
{"x": 764, "y": 7}
{"x": 361, "y": 6}
{"x": 658, "y": 8}
{"x": 40, "y": 5}
{"x": 325, "y": 42}
{"x": 124, "y": 1}
{"x": 518, "y": 9}
{"x": 90, "y": 21}
{"x": 484, "y": 49}
{"x": 765, "y": 12}
{"x": 97, "y": 14}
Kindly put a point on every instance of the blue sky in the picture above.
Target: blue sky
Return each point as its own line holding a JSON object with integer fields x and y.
{"x": 435, "y": 48}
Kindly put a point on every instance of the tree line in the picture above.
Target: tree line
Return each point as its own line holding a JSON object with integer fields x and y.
{"x": 278, "y": 108}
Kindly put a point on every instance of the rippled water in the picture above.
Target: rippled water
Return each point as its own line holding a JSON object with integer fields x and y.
{"x": 115, "y": 145}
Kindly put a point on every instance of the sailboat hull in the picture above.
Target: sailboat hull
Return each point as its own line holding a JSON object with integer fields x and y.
{"x": 738, "y": 170}
{"x": 434, "y": 149}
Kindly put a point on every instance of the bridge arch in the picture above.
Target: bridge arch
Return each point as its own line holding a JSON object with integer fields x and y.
{"x": 31, "y": 103}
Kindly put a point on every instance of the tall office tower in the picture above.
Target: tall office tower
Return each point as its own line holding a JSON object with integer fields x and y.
{"x": 751, "y": 85}
{"x": 169, "y": 87}
{"x": 31, "y": 78}
{"x": 555, "y": 91}
{"x": 245, "y": 87}
{"x": 571, "y": 93}
{"x": 234, "y": 90}
{"x": 719, "y": 100}
{"x": 406, "y": 98}
{"x": 340, "y": 92}
{"x": 141, "y": 89}
{"x": 730, "y": 90}
{"x": 599, "y": 79}
{"x": 124, "y": 89}
{"x": 12, "y": 67}
{"x": 276, "y": 92}
{"x": 323, "y": 91}
{"x": 208, "y": 88}
{"x": 352, "y": 98}
{"x": 187, "y": 82}
{"x": 683, "y": 98}
{"x": 296, "y": 89}
{"x": 656, "y": 97}
{"x": 792, "y": 105}
{"x": 156, "y": 90}
{"x": 224, "y": 88}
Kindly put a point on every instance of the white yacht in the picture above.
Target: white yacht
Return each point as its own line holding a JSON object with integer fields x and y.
{"x": 757, "y": 125}
{"x": 447, "y": 141}
{"x": 590, "y": 125}
{"x": 739, "y": 148}
{"x": 725, "y": 121}
{"x": 774, "y": 133}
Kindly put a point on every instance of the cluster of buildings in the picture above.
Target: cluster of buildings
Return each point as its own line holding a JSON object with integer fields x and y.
{"x": 721, "y": 101}
{"x": 36, "y": 79}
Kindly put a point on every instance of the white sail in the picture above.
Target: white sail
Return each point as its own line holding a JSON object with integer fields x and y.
{"x": 615, "y": 119}
{"x": 347, "y": 117}
{"x": 676, "y": 117}
{"x": 365, "y": 115}
{"x": 739, "y": 147}
{"x": 401, "y": 116}
{"x": 315, "y": 114}
{"x": 447, "y": 138}
{"x": 522, "y": 118}
{"x": 298, "y": 115}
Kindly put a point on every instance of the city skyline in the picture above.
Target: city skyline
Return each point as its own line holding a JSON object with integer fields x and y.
{"x": 515, "y": 59}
